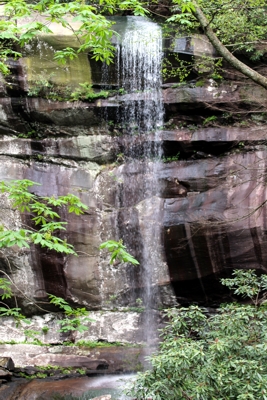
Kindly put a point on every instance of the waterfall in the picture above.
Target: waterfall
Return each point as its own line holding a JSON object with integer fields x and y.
{"x": 139, "y": 118}
{"x": 138, "y": 71}
{"x": 140, "y": 75}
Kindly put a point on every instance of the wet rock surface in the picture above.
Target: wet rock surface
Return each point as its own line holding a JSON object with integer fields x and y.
{"x": 204, "y": 197}
{"x": 46, "y": 389}
{"x": 198, "y": 203}
{"x": 72, "y": 370}
{"x": 206, "y": 208}
{"x": 105, "y": 326}
{"x": 31, "y": 359}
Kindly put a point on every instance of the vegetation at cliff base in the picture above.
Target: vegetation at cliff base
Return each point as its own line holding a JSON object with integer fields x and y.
{"x": 218, "y": 355}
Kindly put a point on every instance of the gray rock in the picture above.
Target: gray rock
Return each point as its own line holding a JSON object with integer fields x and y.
{"x": 7, "y": 363}
{"x": 4, "y": 373}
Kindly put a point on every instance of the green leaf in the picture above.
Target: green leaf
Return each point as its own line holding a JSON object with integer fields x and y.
{"x": 117, "y": 250}
{"x": 62, "y": 56}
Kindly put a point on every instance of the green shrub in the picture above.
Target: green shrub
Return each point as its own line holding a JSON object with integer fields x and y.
{"x": 86, "y": 93}
{"x": 212, "y": 357}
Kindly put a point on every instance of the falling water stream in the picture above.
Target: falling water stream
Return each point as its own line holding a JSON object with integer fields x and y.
{"x": 139, "y": 58}
{"x": 140, "y": 75}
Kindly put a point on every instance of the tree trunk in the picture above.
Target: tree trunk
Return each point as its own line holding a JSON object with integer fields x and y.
{"x": 225, "y": 53}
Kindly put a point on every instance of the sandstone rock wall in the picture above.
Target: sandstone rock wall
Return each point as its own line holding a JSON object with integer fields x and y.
{"x": 205, "y": 199}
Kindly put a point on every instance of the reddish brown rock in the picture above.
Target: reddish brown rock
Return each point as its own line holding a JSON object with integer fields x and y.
{"x": 184, "y": 220}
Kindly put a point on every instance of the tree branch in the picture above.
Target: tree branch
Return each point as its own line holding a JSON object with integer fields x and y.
{"x": 224, "y": 52}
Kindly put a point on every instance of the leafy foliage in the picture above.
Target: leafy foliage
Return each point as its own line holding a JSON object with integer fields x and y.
{"x": 5, "y": 311}
{"x": 75, "y": 317}
{"x": 238, "y": 24}
{"x": 248, "y": 285}
{"x": 93, "y": 32}
{"x": 44, "y": 87}
{"x": 31, "y": 335}
{"x": 240, "y": 27}
{"x": 13, "y": 312}
{"x": 220, "y": 356}
{"x": 42, "y": 212}
{"x": 118, "y": 252}
{"x": 180, "y": 69}
{"x": 5, "y": 289}
{"x": 86, "y": 93}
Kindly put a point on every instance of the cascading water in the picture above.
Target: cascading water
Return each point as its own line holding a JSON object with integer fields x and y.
{"x": 139, "y": 57}
{"x": 140, "y": 75}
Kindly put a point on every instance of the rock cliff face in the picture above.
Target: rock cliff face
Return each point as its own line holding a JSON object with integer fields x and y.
{"x": 200, "y": 210}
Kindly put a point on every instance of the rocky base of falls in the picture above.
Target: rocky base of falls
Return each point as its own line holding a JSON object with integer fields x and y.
{"x": 59, "y": 370}
{"x": 125, "y": 327}
{"x": 49, "y": 389}
{"x": 43, "y": 361}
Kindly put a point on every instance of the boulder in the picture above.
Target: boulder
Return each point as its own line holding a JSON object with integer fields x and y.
{"x": 7, "y": 363}
{"x": 4, "y": 373}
